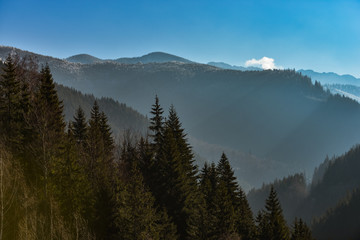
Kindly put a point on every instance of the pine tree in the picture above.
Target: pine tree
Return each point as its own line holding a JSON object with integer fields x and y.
{"x": 136, "y": 216}
{"x": 145, "y": 160}
{"x": 11, "y": 106}
{"x": 174, "y": 181}
{"x": 273, "y": 223}
{"x": 209, "y": 188}
{"x": 156, "y": 123}
{"x": 262, "y": 226}
{"x": 239, "y": 213}
{"x": 108, "y": 140}
{"x": 245, "y": 225}
{"x": 175, "y": 186}
{"x": 94, "y": 147}
{"x": 79, "y": 126}
{"x": 227, "y": 215}
{"x": 100, "y": 168}
{"x": 300, "y": 231}
{"x": 226, "y": 175}
{"x": 166, "y": 227}
{"x": 47, "y": 122}
{"x": 187, "y": 157}
{"x": 70, "y": 184}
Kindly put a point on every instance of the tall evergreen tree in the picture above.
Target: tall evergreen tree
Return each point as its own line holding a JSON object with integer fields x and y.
{"x": 273, "y": 223}
{"x": 79, "y": 126}
{"x": 11, "y": 107}
{"x": 242, "y": 217}
{"x": 100, "y": 168}
{"x": 209, "y": 188}
{"x": 135, "y": 197}
{"x": 47, "y": 122}
{"x": 108, "y": 140}
{"x": 145, "y": 160}
{"x": 175, "y": 186}
{"x": 187, "y": 157}
{"x": 226, "y": 175}
{"x": 300, "y": 231}
{"x": 71, "y": 187}
{"x": 136, "y": 216}
{"x": 156, "y": 122}
{"x": 245, "y": 225}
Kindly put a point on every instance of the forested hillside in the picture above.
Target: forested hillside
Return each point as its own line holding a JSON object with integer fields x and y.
{"x": 70, "y": 180}
{"x": 292, "y": 191}
{"x": 341, "y": 221}
{"x": 279, "y": 116}
{"x": 330, "y": 203}
{"x": 340, "y": 178}
{"x": 121, "y": 117}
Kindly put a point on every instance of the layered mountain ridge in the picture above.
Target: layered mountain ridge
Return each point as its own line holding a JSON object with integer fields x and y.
{"x": 278, "y": 116}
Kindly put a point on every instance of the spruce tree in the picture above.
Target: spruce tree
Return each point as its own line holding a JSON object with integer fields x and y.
{"x": 174, "y": 177}
{"x": 187, "y": 157}
{"x": 300, "y": 231}
{"x": 11, "y": 107}
{"x": 179, "y": 180}
{"x": 245, "y": 225}
{"x": 274, "y": 225}
{"x": 136, "y": 216}
{"x": 242, "y": 215}
{"x": 100, "y": 168}
{"x": 227, "y": 215}
{"x": 70, "y": 184}
{"x": 209, "y": 189}
{"x": 108, "y": 140}
{"x": 156, "y": 123}
{"x": 79, "y": 126}
{"x": 145, "y": 160}
{"x": 48, "y": 122}
{"x": 226, "y": 175}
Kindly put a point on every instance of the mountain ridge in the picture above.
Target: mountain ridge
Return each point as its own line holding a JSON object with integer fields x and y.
{"x": 152, "y": 57}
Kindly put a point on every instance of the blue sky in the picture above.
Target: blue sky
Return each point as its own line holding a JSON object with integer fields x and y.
{"x": 319, "y": 35}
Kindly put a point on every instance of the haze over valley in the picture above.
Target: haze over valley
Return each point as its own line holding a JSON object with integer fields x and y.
{"x": 179, "y": 120}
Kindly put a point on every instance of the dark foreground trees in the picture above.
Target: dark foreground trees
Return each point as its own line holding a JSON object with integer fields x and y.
{"x": 71, "y": 181}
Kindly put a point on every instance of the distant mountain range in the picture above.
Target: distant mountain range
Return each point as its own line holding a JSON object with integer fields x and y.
{"x": 233, "y": 67}
{"x": 331, "y": 78}
{"x": 158, "y": 57}
{"x": 272, "y": 123}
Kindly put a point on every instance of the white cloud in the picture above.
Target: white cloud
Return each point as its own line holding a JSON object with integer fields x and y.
{"x": 264, "y": 63}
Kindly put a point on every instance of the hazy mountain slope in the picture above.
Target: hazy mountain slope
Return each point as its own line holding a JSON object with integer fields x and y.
{"x": 119, "y": 115}
{"x": 233, "y": 67}
{"x": 330, "y": 204}
{"x": 291, "y": 191}
{"x": 331, "y": 78}
{"x": 278, "y": 116}
{"x": 341, "y": 177}
{"x": 340, "y": 222}
{"x": 347, "y": 90}
{"x": 323, "y": 78}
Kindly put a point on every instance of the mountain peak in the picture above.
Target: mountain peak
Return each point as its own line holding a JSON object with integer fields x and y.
{"x": 157, "y": 57}
{"x": 83, "y": 58}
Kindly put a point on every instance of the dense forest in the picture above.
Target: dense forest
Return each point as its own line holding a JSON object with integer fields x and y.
{"x": 70, "y": 180}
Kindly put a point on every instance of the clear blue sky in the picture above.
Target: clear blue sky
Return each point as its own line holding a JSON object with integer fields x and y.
{"x": 319, "y": 35}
